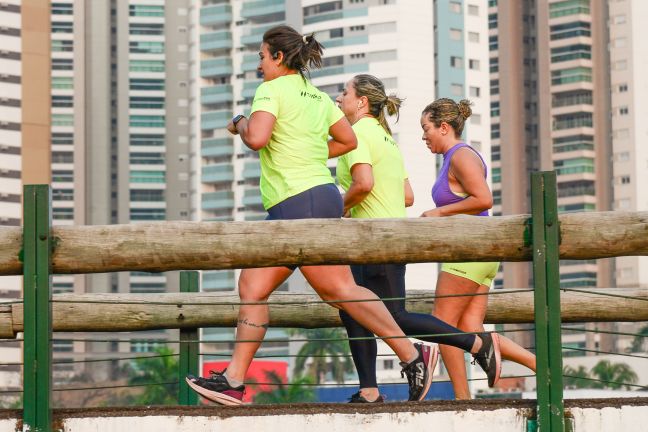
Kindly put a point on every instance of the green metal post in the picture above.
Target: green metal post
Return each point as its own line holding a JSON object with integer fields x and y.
{"x": 37, "y": 315}
{"x": 546, "y": 279}
{"x": 188, "y": 362}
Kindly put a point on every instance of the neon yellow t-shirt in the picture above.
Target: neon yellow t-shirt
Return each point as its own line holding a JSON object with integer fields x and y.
{"x": 295, "y": 158}
{"x": 378, "y": 149}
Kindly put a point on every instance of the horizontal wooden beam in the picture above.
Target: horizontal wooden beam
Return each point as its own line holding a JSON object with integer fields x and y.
{"x": 136, "y": 312}
{"x": 167, "y": 246}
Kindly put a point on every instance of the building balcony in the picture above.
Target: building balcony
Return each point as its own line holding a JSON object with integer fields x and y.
{"x": 254, "y": 35}
{"x": 221, "y": 173}
{"x": 220, "y": 200}
{"x": 216, "y": 94}
{"x": 336, "y": 15}
{"x": 345, "y": 41}
{"x": 250, "y": 62}
{"x": 215, "y": 119}
{"x": 252, "y": 197}
{"x": 252, "y": 170}
{"x": 217, "y": 147}
{"x": 216, "y": 14}
{"x": 259, "y": 8}
{"x": 249, "y": 88}
{"x": 340, "y": 70}
{"x": 216, "y": 67}
{"x": 215, "y": 41}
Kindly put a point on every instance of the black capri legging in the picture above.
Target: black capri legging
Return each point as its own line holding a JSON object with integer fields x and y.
{"x": 388, "y": 281}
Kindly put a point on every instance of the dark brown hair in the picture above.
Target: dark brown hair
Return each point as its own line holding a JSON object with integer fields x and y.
{"x": 374, "y": 90}
{"x": 300, "y": 53}
{"x": 447, "y": 110}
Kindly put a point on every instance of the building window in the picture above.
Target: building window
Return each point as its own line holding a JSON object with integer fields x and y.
{"x": 62, "y": 120}
{"x": 146, "y": 29}
{"x": 146, "y": 11}
{"x": 622, "y": 88}
{"x": 571, "y": 52}
{"x": 146, "y": 121}
{"x": 569, "y": 7}
{"x": 62, "y": 26}
{"x": 625, "y": 179}
{"x": 473, "y": 37}
{"x": 473, "y": 64}
{"x": 473, "y": 10}
{"x": 62, "y": 176}
{"x": 456, "y": 34}
{"x": 456, "y": 89}
{"x": 474, "y": 92}
{"x": 569, "y": 30}
{"x": 566, "y": 76}
{"x": 455, "y": 7}
{"x": 62, "y": 64}
{"x": 578, "y": 165}
{"x": 620, "y": 65}
{"x": 147, "y": 176}
{"x": 622, "y": 156}
{"x": 62, "y": 9}
{"x": 456, "y": 62}
{"x": 62, "y": 101}
{"x": 147, "y": 214}
{"x": 573, "y": 143}
{"x": 573, "y": 120}
{"x": 623, "y": 110}
{"x": 147, "y": 195}
{"x": 145, "y": 47}
{"x": 62, "y": 45}
{"x": 146, "y": 140}
{"x": 493, "y": 43}
{"x": 577, "y": 97}
{"x": 136, "y": 158}
{"x": 475, "y": 119}
{"x": 141, "y": 102}
{"x": 146, "y": 84}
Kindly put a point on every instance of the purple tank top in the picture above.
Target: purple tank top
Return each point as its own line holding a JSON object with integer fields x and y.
{"x": 441, "y": 193}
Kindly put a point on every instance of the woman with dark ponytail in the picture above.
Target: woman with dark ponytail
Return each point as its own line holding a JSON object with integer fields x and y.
{"x": 461, "y": 188}
{"x": 376, "y": 185}
{"x": 289, "y": 126}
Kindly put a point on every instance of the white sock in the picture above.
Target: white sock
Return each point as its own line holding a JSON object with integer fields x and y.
{"x": 232, "y": 381}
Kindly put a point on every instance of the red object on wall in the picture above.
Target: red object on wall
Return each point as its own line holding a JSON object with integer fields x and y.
{"x": 257, "y": 373}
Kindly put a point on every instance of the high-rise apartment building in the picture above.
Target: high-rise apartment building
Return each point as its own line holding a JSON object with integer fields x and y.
{"x": 564, "y": 96}
{"x": 24, "y": 134}
{"x": 121, "y": 134}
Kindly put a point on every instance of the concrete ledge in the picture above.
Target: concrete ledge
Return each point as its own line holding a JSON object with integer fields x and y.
{"x": 501, "y": 415}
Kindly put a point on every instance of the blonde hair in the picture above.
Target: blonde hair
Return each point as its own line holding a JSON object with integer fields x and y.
{"x": 447, "y": 110}
{"x": 374, "y": 90}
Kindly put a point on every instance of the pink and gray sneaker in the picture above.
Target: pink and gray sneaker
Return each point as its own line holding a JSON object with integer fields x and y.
{"x": 216, "y": 388}
{"x": 419, "y": 372}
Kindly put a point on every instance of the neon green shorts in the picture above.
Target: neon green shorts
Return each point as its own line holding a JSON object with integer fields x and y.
{"x": 482, "y": 273}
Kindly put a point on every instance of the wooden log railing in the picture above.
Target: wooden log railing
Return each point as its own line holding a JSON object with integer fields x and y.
{"x": 129, "y": 312}
{"x": 166, "y": 246}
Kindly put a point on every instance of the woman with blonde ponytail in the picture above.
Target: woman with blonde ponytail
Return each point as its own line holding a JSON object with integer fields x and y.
{"x": 461, "y": 188}
{"x": 376, "y": 185}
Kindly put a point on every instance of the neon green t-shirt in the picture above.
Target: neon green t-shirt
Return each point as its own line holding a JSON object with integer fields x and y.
{"x": 378, "y": 149}
{"x": 295, "y": 158}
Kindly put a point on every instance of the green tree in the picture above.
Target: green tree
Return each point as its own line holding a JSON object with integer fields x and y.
{"x": 161, "y": 369}
{"x": 299, "y": 390}
{"x": 328, "y": 351}
{"x": 640, "y": 339}
{"x": 616, "y": 374}
{"x": 577, "y": 378}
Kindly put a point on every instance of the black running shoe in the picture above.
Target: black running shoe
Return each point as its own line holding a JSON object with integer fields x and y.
{"x": 419, "y": 372}
{"x": 489, "y": 357}
{"x": 217, "y": 389}
{"x": 358, "y": 398}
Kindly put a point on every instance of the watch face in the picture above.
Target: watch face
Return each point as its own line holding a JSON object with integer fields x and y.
{"x": 237, "y": 118}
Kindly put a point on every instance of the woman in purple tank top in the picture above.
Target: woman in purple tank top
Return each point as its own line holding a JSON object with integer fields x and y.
{"x": 461, "y": 188}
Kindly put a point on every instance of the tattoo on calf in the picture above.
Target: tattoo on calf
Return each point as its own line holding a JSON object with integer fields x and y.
{"x": 251, "y": 324}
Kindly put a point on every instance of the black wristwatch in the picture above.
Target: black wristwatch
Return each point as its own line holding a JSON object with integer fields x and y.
{"x": 236, "y": 119}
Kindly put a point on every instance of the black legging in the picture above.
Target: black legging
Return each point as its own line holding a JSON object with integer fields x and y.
{"x": 388, "y": 281}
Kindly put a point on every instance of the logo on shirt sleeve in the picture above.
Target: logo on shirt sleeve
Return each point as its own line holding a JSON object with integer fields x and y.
{"x": 261, "y": 98}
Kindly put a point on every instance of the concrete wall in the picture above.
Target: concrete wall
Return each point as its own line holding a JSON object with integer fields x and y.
{"x": 480, "y": 415}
